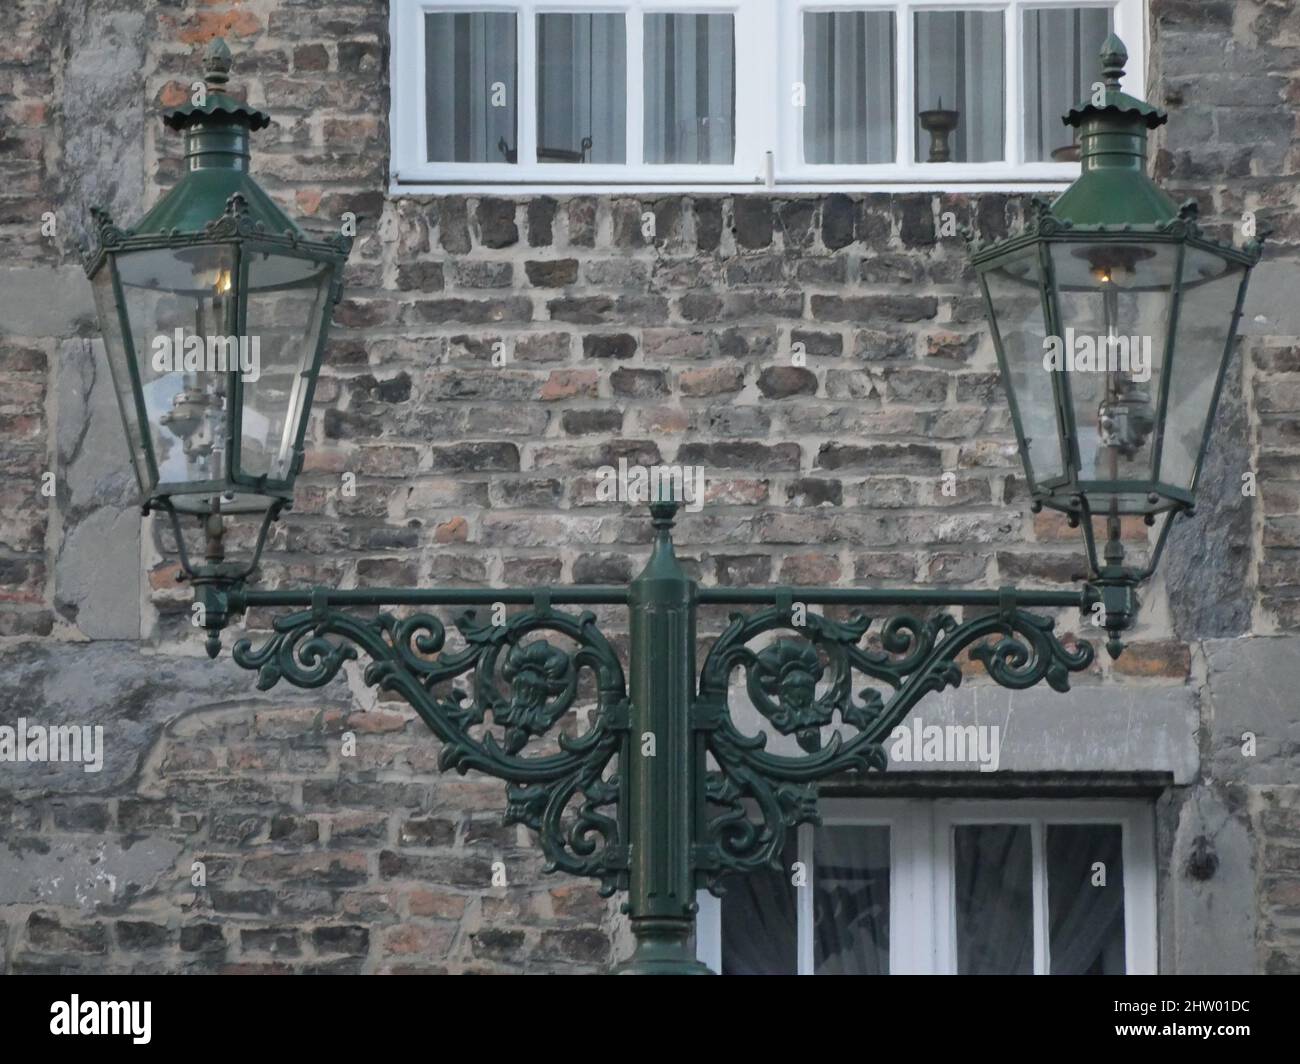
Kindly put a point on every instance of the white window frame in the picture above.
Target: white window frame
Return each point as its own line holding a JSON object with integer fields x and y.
{"x": 922, "y": 910}
{"x": 408, "y": 130}
{"x": 1129, "y": 24}
{"x": 768, "y": 126}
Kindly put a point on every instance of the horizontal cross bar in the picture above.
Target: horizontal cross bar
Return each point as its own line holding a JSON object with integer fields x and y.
{"x": 596, "y": 595}
{"x": 855, "y": 596}
{"x": 577, "y": 595}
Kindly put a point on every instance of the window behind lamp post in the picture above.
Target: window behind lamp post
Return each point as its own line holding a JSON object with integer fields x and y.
{"x": 715, "y": 95}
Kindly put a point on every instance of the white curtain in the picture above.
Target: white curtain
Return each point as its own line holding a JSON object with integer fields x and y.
{"x": 850, "y": 908}
{"x": 1085, "y": 917}
{"x": 759, "y": 919}
{"x": 959, "y": 63}
{"x": 848, "y": 72}
{"x": 467, "y": 118}
{"x": 581, "y": 88}
{"x": 994, "y": 894}
{"x": 851, "y": 901}
{"x": 1060, "y": 49}
{"x": 689, "y": 88}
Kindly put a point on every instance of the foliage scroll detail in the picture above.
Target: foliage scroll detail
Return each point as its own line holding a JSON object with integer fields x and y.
{"x": 757, "y": 795}
{"x": 522, "y": 685}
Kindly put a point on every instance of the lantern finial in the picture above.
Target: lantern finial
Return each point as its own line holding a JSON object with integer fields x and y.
{"x": 1114, "y": 56}
{"x": 216, "y": 106}
{"x": 217, "y": 62}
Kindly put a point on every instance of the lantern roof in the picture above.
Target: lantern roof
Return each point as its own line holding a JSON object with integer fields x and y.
{"x": 218, "y": 105}
{"x": 1114, "y": 56}
{"x": 1113, "y": 197}
{"x": 201, "y": 198}
{"x": 218, "y": 137}
{"x": 217, "y": 198}
{"x": 1113, "y": 187}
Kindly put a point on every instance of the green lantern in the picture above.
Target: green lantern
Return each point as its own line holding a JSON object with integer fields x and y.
{"x": 214, "y": 309}
{"x": 1113, "y": 316}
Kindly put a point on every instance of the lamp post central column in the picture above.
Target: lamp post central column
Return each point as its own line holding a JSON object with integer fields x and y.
{"x": 662, "y": 773}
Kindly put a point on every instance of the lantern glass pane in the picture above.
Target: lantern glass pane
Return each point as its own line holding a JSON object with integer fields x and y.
{"x": 286, "y": 310}
{"x": 1114, "y": 300}
{"x": 180, "y": 306}
{"x": 119, "y": 371}
{"x": 1210, "y": 286}
{"x": 1015, "y": 299}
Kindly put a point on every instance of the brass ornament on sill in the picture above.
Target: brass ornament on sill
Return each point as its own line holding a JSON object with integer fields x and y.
{"x": 940, "y": 123}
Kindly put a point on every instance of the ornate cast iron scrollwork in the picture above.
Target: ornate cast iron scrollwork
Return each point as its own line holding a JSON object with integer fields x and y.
{"x": 564, "y": 796}
{"x": 916, "y": 657}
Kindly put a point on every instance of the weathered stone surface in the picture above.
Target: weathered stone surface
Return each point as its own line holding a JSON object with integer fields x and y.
{"x": 82, "y": 872}
{"x": 41, "y": 301}
{"x": 1208, "y": 557}
{"x": 490, "y": 353}
{"x": 132, "y": 696}
{"x": 1251, "y": 688}
{"x": 1045, "y": 732}
{"x": 102, "y": 87}
{"x": 98, "y": 571}
{"x": 1208, "y": 925}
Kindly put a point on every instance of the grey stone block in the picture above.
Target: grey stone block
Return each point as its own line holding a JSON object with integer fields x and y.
{"x": 98, "y": 571}
{"x": 1254, "y": 686}
{"x": 1090, "y": 729}
{"x": 133, "y": 696}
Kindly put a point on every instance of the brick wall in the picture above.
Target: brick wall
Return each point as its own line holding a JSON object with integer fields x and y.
{"x": 675, "y": 348}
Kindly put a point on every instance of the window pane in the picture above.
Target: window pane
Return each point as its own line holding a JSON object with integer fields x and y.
{"x": 1210, "y": 286}
{"x": 848, "y": 70}
{"x": 1086, "y": 904}
{"x": 690, "y": 88}
{"x": 1060, "y": 56}
{"x": 759, "y": 928}
{"x": 959, "y": 86}
{"x": 851, "y": 901}
{"x": 581, "y": 89}
{"x": 994, "y": 892}
{"x": 186, "y": 289}
{"x": 286, "y": 307}
{"x": 1123, "y": 290}
{"x": 1013, "y": 295}
{"x": 469, "y": 86}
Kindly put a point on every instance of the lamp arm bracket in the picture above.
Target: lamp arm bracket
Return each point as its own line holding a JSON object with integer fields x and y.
{"x": 759, "y": 794}
{"x": 495, "y": 701}
{"x": 502, "y": 697}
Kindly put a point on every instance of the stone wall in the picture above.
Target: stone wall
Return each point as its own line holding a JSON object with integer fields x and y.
{"x": 676, "y": 347}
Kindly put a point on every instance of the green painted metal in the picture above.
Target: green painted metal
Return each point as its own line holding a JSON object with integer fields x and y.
{"x": 218, "y": 203}
{"x": 564, "y": 796}
{"x": 665, "y": 772}
{"x": 632, "y": 801}
{"x": 1113, "y": 201}
{"x": 217, "y": 158}
{"x": 1113, "y": 188}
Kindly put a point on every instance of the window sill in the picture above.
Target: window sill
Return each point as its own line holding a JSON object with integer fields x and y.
{"x": 606, "y": 187}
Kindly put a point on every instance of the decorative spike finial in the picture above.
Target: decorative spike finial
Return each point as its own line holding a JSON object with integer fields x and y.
{"x": 663, "y": 513}
{"x": 1113, "y": 58}
{"x": 217, "y": 62}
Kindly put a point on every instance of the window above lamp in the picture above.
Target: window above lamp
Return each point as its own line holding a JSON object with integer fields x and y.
{"x": 736, "y": 96}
